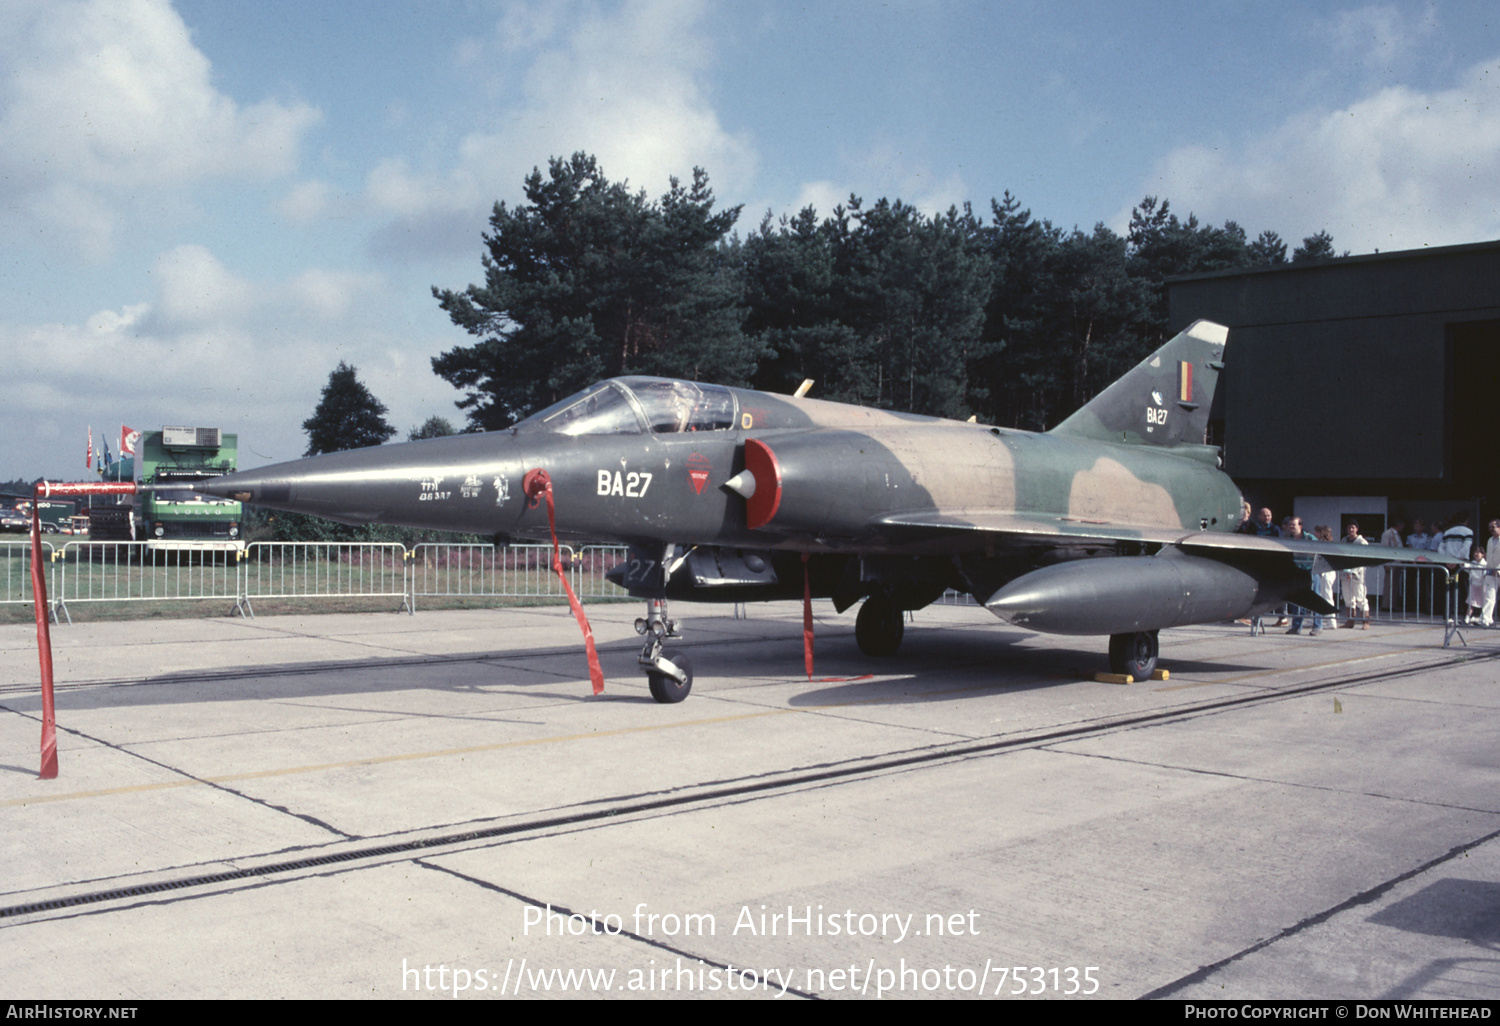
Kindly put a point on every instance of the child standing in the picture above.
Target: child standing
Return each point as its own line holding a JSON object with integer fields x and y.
{"x": 1476, "y": 589}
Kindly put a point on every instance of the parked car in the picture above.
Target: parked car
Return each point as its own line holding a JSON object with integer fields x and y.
{"x": 14, "y": 520}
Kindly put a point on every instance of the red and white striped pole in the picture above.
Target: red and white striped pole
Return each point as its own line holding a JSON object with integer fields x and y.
{"x": 45, "y": 489}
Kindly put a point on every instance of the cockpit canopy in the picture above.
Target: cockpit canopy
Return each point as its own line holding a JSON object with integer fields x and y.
{"x": 635, "y": 405}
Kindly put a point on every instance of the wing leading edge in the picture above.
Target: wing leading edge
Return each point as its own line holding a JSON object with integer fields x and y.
{"x": 999, "y": 528}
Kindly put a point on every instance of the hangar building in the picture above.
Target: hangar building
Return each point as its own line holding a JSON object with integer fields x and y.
{"x": 1362, "y": 387}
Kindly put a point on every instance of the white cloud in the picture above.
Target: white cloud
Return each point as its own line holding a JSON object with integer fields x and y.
{"x": 330, "y": 295}
{"x": 523, "y": 26}
{"x": 305, "y": 201}
{"x": 884, "y": 170}
{"x": 1397, "y": 169}
{"x": 628, "y": 87}
{"x": 195, "y": 288}
{"x": 1380, "y": 36}
{"x": 210, "y": 347}
{"x": 393, "y": 189}
{"x": 107, "y": 104}
{"x": 933, "y": 196}
{"x": 622, "y": 85}
{"x": 821, "y": 195}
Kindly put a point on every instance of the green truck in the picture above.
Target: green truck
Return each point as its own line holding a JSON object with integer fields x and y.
{"x": 169, "y": 513}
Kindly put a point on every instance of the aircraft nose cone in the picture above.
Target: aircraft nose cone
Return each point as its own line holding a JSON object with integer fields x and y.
{"x": 462, "y": 483}
{"x": 252, "y": 486}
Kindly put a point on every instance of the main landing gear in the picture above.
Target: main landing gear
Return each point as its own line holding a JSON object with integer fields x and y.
{"x": 671, "y": 679}
{"x": 879, "y": 626}
{"x": 1133, "y": 654}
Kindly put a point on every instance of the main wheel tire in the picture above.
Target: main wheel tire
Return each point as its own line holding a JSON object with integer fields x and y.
{"x": 668, "y": 690}
{"x": 879, "y": 626}
{"x": 1133, "y": 654}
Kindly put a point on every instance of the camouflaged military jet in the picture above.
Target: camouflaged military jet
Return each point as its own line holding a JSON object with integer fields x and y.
{"x": 1117, "y": 521}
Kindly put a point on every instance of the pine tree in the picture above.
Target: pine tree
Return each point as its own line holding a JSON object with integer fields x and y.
{"x": 589, "y": 280}
{"x": 347, "y": 417}
{"x": 1315, "y": 248}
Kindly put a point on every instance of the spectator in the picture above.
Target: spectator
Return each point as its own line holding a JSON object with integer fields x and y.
{"x": 1247, "y": 519}
{"x": 1292, "y": 531}
{"x": 1323, "y": 580}
{"x": 1476, "y": 589}
{"x": 1491, "y": 562}
{"x": 1458, "y": 540}
{"x": 1353, "y": 581}
{"x": 1265, "y": 526}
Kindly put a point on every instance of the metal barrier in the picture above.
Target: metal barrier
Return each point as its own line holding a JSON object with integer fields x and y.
{"x": 140, "y": 571}
{"x": 519, "y": 571}
{"x": 1406, "y": 593}
{"x": 146, "y": 572}
{"x": 954, "y": 597}
{"x": 286, "y": 570}
{"x": 1421, "y": 593}
{"x": 15, "y": 569}
{"x": 593, "y": 562}
{"x": 483, "y": 571}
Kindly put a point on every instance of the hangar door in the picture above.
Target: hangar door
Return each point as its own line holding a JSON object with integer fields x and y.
{"x": 1474, "y": 386}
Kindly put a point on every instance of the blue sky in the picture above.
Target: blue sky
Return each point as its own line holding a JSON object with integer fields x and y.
{"x": 206, "y": 205}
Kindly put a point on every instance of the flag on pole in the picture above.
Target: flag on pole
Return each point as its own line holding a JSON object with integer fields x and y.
{"x": 128, "y": 438}
{"x": 88, "y": 459}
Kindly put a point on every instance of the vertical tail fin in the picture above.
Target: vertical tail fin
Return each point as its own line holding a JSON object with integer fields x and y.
{"x": 1164, "y": 401}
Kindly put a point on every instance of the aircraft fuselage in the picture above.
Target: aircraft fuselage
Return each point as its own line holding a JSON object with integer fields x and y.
{"x": 841, "y": 478}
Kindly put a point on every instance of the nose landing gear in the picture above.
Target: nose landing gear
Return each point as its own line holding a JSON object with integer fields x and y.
{"x": 670, "y": 679}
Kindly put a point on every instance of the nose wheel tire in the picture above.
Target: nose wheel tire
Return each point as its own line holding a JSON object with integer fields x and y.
{"x": 1133, "y": 654}
{"x": 879, "y": 627}
{"x": 668, "y": 689}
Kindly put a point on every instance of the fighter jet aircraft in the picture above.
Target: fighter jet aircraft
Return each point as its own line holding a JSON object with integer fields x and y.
{"x": 1117, "y": 521}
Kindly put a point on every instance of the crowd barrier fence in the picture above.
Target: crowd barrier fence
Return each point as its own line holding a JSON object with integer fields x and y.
{"x": 1426, "y": 594}
{"x": 239, "y": 576}
{"x": 296, "y": 570}
{"x": 97, "y": 571}
{"x": 100, "y": 572}
{"x": 15, "y": 570}
{"x": 518, "y": 571}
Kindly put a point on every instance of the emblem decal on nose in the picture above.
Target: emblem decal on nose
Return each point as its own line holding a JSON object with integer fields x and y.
{"x": 698, "y": 467}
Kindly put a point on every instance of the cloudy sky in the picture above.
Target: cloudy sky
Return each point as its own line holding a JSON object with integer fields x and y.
{"x": 205, "y": 205}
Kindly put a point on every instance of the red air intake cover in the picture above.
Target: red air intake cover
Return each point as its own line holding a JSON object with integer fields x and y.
{"x": 761, "y": 462}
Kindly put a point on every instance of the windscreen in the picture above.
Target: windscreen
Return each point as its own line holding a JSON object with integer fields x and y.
{"x": 601, "y": 410}
{"x": 684, "y": 405}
